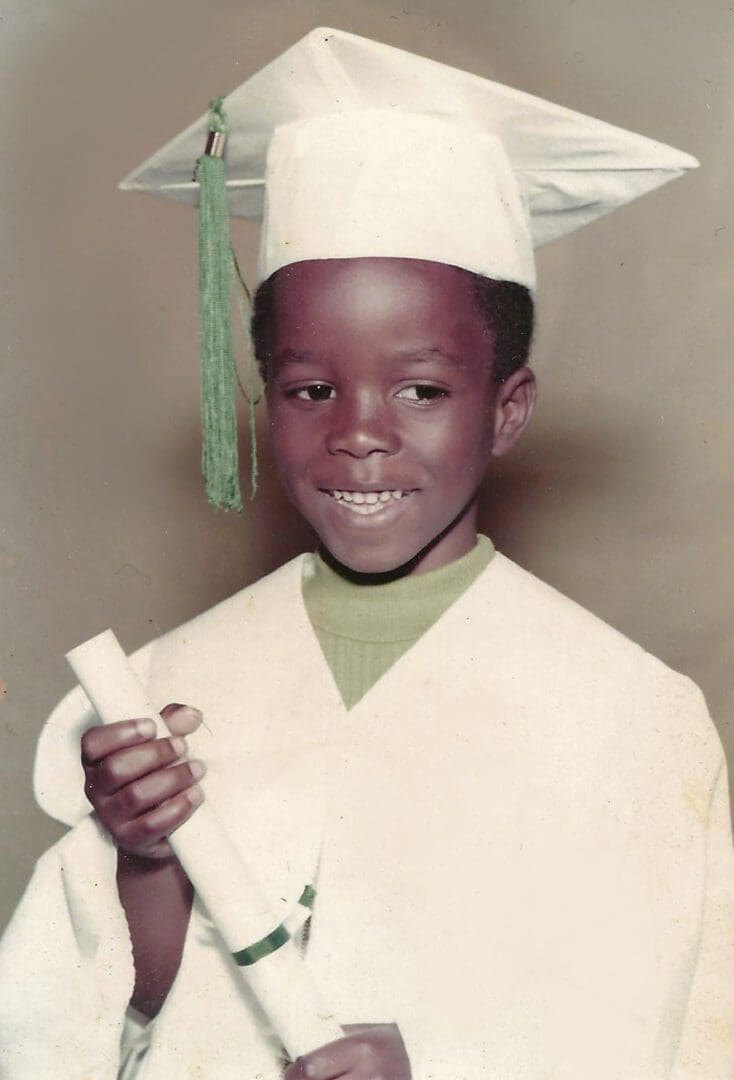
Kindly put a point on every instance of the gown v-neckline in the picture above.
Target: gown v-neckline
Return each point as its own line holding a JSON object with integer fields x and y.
{"x": 408, "y": 660}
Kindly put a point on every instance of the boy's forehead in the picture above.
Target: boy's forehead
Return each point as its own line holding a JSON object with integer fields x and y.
{"x": 408, "y": 304}
{"x": 370, "y": 283}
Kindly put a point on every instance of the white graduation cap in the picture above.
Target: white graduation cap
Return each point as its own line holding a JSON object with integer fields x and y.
{"x": 349, "y": 147}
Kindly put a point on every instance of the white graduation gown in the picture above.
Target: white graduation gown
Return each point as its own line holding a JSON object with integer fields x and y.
{"x": 520, "y": 839}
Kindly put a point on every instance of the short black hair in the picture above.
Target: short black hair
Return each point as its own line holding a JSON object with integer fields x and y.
{"x": 505, "y": 307}
{"x": 508, "y": 313}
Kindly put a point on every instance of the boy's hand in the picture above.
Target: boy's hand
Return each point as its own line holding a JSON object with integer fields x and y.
{"x": 138, "y": 785}
{"x": 367, "y": 1052}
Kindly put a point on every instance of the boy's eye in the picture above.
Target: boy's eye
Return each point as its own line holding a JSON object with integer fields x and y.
{"x": 314, "y": 392}
{"x": 422, "y": 393}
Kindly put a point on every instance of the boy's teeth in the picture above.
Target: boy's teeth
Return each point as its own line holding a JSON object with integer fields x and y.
{"x": 367, "y": 496}
{"x": 367, "y": 501}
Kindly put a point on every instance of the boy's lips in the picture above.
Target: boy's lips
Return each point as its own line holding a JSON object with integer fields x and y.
{"x": 367, "y": 502}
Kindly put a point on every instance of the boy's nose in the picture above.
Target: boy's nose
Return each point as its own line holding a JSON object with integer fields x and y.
{"x": 360, "y": 428}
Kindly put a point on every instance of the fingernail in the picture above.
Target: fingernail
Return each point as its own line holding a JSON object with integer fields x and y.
{"x": 196, "y": 796}
{"x": 193, "y": 712}
{"x": 179, "y": 745}
{"x": 198, "y": 768}
{"x": 145, "y": 728}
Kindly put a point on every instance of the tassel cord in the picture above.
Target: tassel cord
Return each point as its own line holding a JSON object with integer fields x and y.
{"x": 218, "y": 412}
{"x": 252, "y": 393}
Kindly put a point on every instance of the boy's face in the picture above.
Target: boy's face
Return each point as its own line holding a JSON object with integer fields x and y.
{"x": 383, "y": 409}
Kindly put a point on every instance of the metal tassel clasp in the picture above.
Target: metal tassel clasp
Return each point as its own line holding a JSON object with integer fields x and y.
{"x": 215, "y": 144}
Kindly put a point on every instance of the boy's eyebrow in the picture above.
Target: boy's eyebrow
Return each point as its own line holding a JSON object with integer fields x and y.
{"x": 432, "y": 353}
{"x": 294, "y": 356}
{"x": 425, "y": 355}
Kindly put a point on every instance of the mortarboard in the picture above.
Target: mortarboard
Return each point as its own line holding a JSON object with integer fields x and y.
{"x": 346, "y": 147}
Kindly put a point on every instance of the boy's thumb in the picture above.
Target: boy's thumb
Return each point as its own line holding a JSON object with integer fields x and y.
{"x": 181, "y": 719}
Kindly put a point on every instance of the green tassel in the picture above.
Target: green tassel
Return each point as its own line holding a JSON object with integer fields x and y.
{"x": 218, "y": 411}
{"x": 253, "y": 392}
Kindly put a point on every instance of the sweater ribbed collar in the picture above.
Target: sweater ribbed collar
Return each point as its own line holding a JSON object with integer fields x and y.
{"x": 400, "y": 610}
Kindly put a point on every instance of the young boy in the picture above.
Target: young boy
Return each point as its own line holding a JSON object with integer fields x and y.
{"x": 516, "y": 821}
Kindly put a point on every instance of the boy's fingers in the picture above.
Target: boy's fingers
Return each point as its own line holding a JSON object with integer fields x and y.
{"x": 319, "y": 1066}
{"x": 367, "y": 1050}
{"x": 121, "y": 768}
{"x": 145, "y": 832}
{"x": 104, "y": 739}
{"x": 142, "y": 795}
{"x": 329, "y": 1062}
{"x": 181, "y": 719}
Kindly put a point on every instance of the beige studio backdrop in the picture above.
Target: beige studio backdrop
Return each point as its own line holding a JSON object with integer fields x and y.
{"x": 621, "y": 493}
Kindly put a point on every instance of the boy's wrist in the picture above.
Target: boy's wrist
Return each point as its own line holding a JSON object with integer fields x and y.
{"x": 156, "y": 896}
{"x": 131, "y": 864}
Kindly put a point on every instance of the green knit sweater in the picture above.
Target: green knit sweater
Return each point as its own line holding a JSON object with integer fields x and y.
{"x": 364, "y": 629}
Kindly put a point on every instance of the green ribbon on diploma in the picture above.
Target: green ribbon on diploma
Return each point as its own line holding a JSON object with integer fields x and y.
{"x": 276, "y": 939}
{"x": 307, "y": 897}
{"x": 264, "y": 947}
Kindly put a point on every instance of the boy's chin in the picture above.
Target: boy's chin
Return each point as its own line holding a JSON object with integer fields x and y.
{"x": 399, "y": 552}
{"x": 386, "y": 562}
{"x": 371, "y": 562}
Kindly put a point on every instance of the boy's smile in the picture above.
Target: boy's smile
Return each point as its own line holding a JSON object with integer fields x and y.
{"x": 383, "y": 408}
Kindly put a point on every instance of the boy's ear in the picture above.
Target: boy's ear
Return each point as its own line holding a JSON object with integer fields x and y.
{"x": 513, "y": 409}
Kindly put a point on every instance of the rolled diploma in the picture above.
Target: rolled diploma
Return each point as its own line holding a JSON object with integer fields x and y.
{"x": 279, "y": 981}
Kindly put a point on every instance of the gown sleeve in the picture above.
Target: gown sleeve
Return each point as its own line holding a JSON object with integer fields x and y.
{"x": 706, "y": 1046}
{"x": 66, "y": 967}
{"x": 137, "y": 1033}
